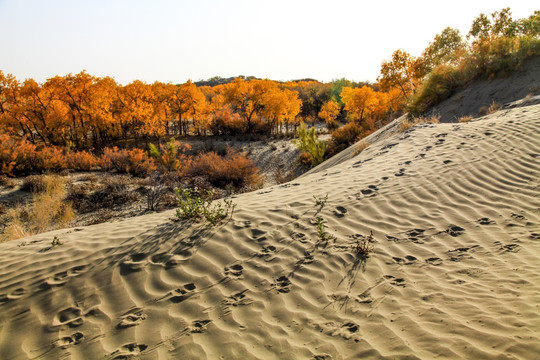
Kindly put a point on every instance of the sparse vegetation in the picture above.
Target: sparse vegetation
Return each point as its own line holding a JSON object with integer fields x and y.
{"x": 320, "y": 201}
{"x": 408, "y": 123}
{"x": 47, "y": 211}
{"x": 308, "y": 142}
{"x": 465, "y": 119}
{"x": 364, "y": 245}
{"x": 199, "y": 205}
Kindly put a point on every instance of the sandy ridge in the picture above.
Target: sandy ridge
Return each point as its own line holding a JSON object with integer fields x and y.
{"x": 454, "y": 210}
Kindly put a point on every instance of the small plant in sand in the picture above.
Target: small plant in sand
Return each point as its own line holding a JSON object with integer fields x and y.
{"x": 320, "y": 228}
{"x": 320, "y": 201}
{"x": 408, "y": 123}
{"x": 196, "y": 206}
{"x": 56, "y": 242}
{"x": 364, "y": 245}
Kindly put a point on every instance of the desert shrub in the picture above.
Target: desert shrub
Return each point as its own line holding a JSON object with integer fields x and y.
{"x": 465, "y": 119}
{"x": 49, "y": 158}
{"x": 440, "y": 85}
{"x": 410, "y": 122}
{"x": 48, "y": 210}
{"x": 34, "y": 183}
{"x": 7, "y": 181}
{"x": 233, "y": 169}
{"x": 81, "y": 161}
{"x": 114, "y": 191}
{"x": 172, "y": 156}
{"x": 134, "y": 162}
{"x": 309, "y": 143}
{"x": 16, "y": 156}
{"x": 344, "y": 137}
{"x": 198, "y": 205}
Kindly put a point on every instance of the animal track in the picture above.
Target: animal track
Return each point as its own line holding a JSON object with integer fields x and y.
{"x": 66, "y": 341}
{"x": 370, "y": 191}
{"x": 454, "y": 230}
{"x": 508, "y": 247}
{"x": 409, "y": 260}
{"x": 282, "y": 284}
{"x": 198, "y": 326}
{"x": 340, "y": 211}
{"x": 134, "y": 263}
{"x": 395, "y": 281}
{"x": 131, "y": 318}
{"x": 434, "y": 261}
{"x": 234, "y": 271}
{"x": 485, "y": 221}
{"x": 460, "y": 253}
{"x": 183, "y": 293}
{"x": 238, "y": 299}
{"x": 267, "y": 251}
{"x": 14, "y": 295}
{"x": 127, "y": 351}
{"x": 71, "y": 317}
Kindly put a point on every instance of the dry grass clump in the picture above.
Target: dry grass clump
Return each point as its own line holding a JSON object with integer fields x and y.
{"x": 7, "y": 181}
{"x": 360, "y": 147}
{"x": 465, "y": 119}
{"x": 408, "y": 123}
{"x": 364, "y": 245}
{"x": 48, "y": 210}
{"x": 112, "y": 192}
{"x": 494, "y": 107}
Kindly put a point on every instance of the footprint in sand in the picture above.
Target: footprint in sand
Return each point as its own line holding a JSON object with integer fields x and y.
{"x": 322, "y": 357}
{"x": 71, "y": 317}
{"x": 66, "y": 341}
{"x": 234, "y": 271}
{"x": 135, "y": 263}
{"x": 300, "y": 237}
{"x": 400, "y": 173}
{"x": 128, "y": 351}
{"x": 534, "y": 236}
{"x": 409, "y": 260}
{"x": 182, "y": 293}
{"x": 396, "y": 281}
{"x": 131, "y": 318}
{"x": 461, "y": 253}
{"x": 454, "y": 230}
{"x": 485, "y": 221}
{"x": 340, "y": 211}
{"x": 508, "y": 247}
{"x": 434, "y": 261}
{"x": 282, "y": 284}
{"x": 14, "y": 295}
{"x": 267, "y": 251}
{"x": 238, "y": 299}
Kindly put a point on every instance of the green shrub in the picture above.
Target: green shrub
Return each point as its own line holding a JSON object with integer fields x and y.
{"x": 309, "y": 143}
{"x": 197, "y": 206}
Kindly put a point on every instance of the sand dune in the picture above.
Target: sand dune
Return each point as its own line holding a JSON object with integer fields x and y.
{"x": 454, "y": 210}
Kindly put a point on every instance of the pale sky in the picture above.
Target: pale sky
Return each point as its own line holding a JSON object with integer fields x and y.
{"x": 173, "y": 41}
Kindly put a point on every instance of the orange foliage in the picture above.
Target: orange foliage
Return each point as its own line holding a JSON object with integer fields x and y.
{"x": 234, "y": 169}
{"x": 329, "y": 113}
{"x": 134, "y": 162}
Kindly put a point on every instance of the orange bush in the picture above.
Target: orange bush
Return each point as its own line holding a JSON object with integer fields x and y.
{"x": 234, "y": 169}
{"x": 82, "y": 161}
{"x": 134, "y": 162}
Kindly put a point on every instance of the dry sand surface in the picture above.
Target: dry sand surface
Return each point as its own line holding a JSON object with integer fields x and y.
{"x": 455, "y": 273}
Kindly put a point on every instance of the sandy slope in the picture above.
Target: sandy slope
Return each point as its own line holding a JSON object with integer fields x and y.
{"x": 454, "y": 210}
